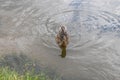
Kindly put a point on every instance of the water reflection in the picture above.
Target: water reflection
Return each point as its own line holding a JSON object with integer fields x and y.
{"x": 94, "y": 26}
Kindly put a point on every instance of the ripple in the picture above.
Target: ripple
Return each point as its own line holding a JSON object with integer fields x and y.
{"x": 94, "y": 24}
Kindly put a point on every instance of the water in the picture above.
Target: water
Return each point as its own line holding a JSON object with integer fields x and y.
{"x": 30, "y": 26}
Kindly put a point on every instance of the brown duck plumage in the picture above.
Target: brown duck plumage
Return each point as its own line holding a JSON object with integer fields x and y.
{"x": 62, "y": 40}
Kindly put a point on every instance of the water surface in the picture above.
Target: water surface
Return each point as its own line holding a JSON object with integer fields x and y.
{"x": 30, "y": 26}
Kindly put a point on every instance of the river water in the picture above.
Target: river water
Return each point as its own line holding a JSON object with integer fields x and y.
{"x": 30, "y": 26}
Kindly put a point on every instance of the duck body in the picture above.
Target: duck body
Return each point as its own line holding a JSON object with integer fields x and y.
{"x": 62, "y": 40}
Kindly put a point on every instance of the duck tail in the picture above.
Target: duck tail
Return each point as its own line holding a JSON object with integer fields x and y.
{"x": 63, "y": 52}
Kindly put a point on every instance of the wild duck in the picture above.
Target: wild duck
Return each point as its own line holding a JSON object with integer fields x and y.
{"x": 62, "y": 40}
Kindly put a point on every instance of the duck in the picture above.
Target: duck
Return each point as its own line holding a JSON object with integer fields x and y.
{"x": 62, "y": 40}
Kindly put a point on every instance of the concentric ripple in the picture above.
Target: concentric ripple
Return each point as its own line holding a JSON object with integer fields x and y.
{"x": 94, "y": 24}
{"x": 30, "y": 27}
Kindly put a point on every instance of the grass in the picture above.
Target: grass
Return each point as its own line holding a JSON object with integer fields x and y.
{"x": 20, "y": 67}
{"x": 8, "y": 74}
